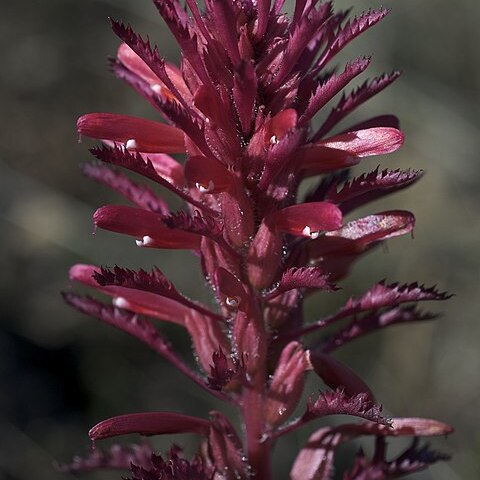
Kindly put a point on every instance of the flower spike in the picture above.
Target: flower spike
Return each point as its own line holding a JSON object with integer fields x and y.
{"x": 234, "y": 143}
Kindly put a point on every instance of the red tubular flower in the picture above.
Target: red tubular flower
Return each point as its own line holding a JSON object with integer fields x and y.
{"x": 239, "y": 108}
{"x": 135, "y": 64}
{"x": 346, "y": 149}
{"x": 159, "y": 307}
{"x": 134, "y": 133}
{"x": 148, "y": 424}
{"x": 148, "y": 227}
{"x": 287, "y": 384}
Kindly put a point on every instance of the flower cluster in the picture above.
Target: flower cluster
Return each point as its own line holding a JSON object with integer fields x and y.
{"x": 240, "y": 108}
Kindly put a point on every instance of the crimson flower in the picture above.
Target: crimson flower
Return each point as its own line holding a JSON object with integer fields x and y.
{"x": 240, "y": 108}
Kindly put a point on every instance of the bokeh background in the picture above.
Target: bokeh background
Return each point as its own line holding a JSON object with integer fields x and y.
{"x": 61, "y": 372}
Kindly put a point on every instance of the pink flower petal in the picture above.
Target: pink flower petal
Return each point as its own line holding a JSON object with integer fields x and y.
{"x": 167, "y": 167}
{"x": 380, "y": 226}
{"x": 207, "y": 100}
{"x": 155, "y": 423}
{"x": 207, "y": 174}
{"x": 226, "y": 449}
{"x": 348, "y": 148}
{"x": 287, "y": 384}
{"x": 135, "y": 64}
{"x": 307, "y": 219}
{"x": 316, "y": 460}
{"x": 317, "y": 159}
{"x": 264, "y": 257}
{"x": 337, "y": 375}
{"x": 135, "y": 133}
{"x": 279, "y": 125}
{"x": 147, "y": 227}
{"x": 419, "y": 427}
{"x": 207, "y": 336}
{"x": 368, "y": 142}
{"x": 144, "y": 303}
{"x": 272, "y": 131}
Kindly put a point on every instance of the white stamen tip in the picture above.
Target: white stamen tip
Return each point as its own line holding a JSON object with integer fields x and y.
{"x": 232, "y": 302}
{"x": 307, "y": 232}
{"x": 205, "y": 189}
{"x": 131, "y": 144}
{"x": 145, "y": 241}
{"x": 274, "y": 140}
{"x": 157, "y": 88}
{"x": 120, "y": 302}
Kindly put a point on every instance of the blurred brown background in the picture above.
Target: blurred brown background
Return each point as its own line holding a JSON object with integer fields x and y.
{"x": 61, "y": 372}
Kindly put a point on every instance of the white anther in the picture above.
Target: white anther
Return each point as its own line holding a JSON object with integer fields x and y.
{"x": 205, "y": 189}
{"x": 120, "y": 302}
{"x": 131, "y": 144}
{"x": 274, "y": 140}
{"x": 307, "y": 232}
{"x": 145, "y": 241}
{"x": 232, "y": 302}
{"x": 157, "y": 88}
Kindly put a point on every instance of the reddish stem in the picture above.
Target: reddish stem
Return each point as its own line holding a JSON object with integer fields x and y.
{"x": 253, "y": 404}
{"x": 258, "y": 449}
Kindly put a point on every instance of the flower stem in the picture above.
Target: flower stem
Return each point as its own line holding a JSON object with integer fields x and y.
{"x": 253, "y": 403}
{"x": 259, "y": 450}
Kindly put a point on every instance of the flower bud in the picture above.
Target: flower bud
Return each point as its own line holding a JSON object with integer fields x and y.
{"x": 264, "y": 257}
{"x": 337, "y": 375}
{"x": 226, "y": 448}
{"x": 231, "y": 290}
{"x": 249, "y": 344}
{"x": 287, "y": 384}
{"x": 207, "y": 337}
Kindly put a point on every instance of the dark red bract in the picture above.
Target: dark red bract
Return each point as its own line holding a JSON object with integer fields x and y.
{"x": 239, "y": 107}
